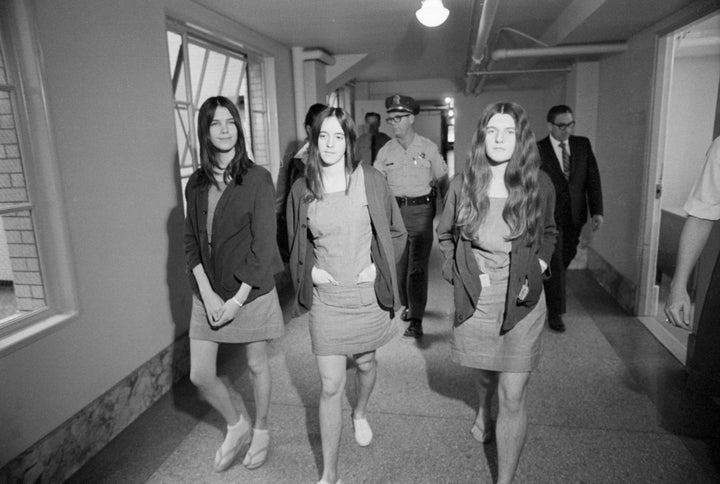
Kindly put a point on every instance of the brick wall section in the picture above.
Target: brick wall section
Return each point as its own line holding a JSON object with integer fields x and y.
{"x": 18, "y": 226}
{"x": 258, "y": 114}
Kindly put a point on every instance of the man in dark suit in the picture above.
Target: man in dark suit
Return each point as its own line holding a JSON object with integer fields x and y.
{"x": 570, "y": 162}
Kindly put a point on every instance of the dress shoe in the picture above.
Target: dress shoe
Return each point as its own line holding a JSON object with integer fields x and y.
{"x": 414, "y": 330}
{"x": 405, "y": 315}
{"x": 481, "y": 435}
{"x": 556, "y": 323}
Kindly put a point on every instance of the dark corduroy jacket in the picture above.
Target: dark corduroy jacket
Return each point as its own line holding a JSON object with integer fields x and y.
{"x": 388, "y": 241}
{"x": 460, "y": 267}
{"x": 244, "y": 246}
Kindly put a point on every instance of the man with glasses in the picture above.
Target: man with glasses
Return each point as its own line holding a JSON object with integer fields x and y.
{"x": 570, "y": 162}
{"x": 416, "y": 173}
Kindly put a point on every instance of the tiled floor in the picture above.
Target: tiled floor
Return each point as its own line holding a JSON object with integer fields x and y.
{"x": 607, "y": 405}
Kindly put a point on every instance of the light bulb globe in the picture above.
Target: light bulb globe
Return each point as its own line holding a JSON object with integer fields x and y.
{"x": 432, "y": 13}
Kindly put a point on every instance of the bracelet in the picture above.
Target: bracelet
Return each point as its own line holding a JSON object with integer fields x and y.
{"x": 237, "y": 302}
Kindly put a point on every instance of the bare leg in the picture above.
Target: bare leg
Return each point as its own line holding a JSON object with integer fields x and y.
{"x": 487, "y": 382}
{"x": 365, "y": 382}
{"x": 260, "y": 373}
{"x": 512, "y": 423}
{"x": 332, "y": 378}
{"x": 203, "y": 374}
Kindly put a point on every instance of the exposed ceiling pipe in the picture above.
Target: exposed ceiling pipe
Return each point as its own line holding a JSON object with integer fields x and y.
{"x": 561, "y": 51}
{"x": 518, "y": 71}
{"x": 299, "y": 56}
{"x": 479, "y": 53}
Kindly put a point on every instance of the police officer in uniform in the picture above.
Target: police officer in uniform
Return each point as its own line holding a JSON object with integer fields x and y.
{"x": 416, "y": 173}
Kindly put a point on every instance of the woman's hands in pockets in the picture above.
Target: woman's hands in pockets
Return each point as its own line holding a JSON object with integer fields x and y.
{"x": 367, "y": 275}
{"x": 321, "y": 276}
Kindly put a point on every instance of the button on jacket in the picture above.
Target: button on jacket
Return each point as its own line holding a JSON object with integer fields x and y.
{"x": 244, "y": 244}
{"x": 389, "y": 237}
{"x": 461, "y": 269}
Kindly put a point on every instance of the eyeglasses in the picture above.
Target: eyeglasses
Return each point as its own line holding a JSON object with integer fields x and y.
{"x": 396, "y": 119}
{"x": 564, "y": 126}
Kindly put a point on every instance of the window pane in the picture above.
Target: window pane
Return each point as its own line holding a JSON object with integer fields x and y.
{"x": 234, "y": 77}
{"x": 196, "y": 62}
{"x": 13, "y": 190}
{"x": 21, "y": 286}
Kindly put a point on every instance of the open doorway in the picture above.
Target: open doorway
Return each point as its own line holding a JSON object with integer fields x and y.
{"x": 684, "y": 124}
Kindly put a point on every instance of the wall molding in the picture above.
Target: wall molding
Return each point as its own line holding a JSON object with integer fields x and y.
{"x": 622, "y": 289}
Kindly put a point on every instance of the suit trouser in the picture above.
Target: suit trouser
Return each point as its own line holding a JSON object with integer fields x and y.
{"x": 565, "y": 251}
{"x": 703, "y": 355}
{"x": 412, "y": 268}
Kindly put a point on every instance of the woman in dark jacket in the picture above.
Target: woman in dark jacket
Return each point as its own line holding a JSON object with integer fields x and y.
{"x": 497, "y": 234}
{"x": 345, "y": 233}
{"x": 231, "y": 250}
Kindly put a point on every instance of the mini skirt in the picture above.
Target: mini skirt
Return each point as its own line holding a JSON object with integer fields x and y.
{"x": 347, "y": 320}
{"x": 259, "y": 320}
{"x": 477, "y": 343}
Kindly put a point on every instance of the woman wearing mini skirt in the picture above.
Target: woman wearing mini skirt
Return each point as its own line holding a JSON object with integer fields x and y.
{"x": 232, "y": 254}
{"x": 345, "y": 232}
{"x": 497, "y": 234}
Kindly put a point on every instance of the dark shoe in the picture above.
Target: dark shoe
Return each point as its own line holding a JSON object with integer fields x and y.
{"x": 405, "y": 315}
{"x": 556, "y": 323}
{"x": 414, "y": 330}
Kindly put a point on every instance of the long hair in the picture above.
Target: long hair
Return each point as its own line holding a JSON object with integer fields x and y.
{"x": 241, "y": 162}
{"x": 313, "y": 168}
{"x": 522, "y": 211}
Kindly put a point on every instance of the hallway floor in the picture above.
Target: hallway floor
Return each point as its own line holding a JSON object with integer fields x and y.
{"x": 607, "y": 405}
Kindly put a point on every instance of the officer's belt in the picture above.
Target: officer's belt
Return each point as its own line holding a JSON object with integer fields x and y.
{"x": 422, "y": 200}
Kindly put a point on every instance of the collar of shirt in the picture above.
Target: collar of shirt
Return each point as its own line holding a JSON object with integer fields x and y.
{"x": 556, "y": 144}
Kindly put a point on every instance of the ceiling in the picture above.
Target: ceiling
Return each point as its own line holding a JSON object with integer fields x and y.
{"x": 398, "y": 47}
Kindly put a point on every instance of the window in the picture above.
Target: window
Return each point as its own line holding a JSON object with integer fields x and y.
{"x": 201, "y": 68}
{"x": 21, "y": 285}
{"x": 34, "y": 297}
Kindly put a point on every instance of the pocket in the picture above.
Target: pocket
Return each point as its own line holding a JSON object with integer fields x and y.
{"x": 534, "y": 281}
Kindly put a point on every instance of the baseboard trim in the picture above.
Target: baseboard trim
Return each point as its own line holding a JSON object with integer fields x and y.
{"x": 63, "y": 451}
{"x": 623, "y": 290}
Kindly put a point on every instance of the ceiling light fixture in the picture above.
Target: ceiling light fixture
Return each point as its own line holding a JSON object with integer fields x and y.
{"x": 432, "y": 13}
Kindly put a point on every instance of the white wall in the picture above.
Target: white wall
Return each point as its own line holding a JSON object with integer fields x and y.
{"x": 624, "y": 112}
{"x": 691, "y": 117}
{"x": 108, "y": 86}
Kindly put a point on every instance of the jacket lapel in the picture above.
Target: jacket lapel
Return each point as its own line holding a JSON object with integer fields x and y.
{"x": 550, "y": 160}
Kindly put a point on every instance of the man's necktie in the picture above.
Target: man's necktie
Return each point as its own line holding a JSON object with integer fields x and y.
{"x": 565, "y": 160}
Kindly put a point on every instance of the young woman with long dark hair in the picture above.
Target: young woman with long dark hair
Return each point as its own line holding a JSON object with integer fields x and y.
{"x": 497, "y": 234}
{"x": 345, "y": 233}
{"x": 231, "y": 251}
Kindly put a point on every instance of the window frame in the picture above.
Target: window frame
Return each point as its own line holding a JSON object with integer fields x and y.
{"x": 264, "y": 61}
{"x": 23, "y": 58}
